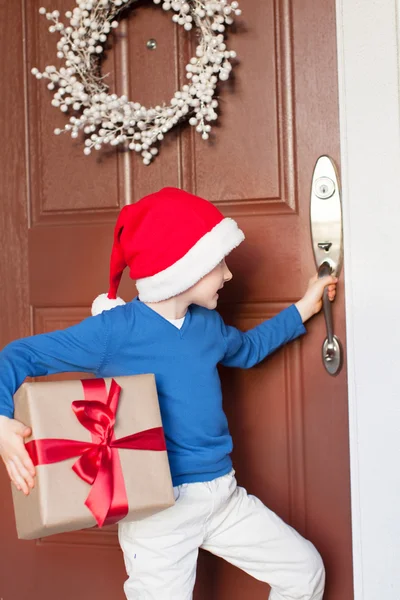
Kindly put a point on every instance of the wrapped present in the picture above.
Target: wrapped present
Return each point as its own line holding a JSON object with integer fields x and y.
{"x": 100, "y": 453}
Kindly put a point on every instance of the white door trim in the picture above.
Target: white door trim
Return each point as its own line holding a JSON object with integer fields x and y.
{"x": 368, "y": 54}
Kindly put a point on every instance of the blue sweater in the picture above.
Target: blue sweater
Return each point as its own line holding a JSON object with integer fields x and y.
{"x": 134, "y": 339}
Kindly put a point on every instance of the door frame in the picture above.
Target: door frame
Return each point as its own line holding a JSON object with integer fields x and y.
{"x": 369, "y": 98}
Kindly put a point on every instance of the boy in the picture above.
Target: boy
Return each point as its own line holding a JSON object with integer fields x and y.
{"x": 175, "y": 245}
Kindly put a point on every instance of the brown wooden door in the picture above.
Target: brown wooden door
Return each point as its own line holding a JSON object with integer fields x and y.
{"x": 278, "y": 115}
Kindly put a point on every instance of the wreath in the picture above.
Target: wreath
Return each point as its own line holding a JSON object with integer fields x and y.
{"x": 105, "y": 118}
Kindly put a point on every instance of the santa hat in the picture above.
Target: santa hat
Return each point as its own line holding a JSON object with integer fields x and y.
{"x": 169, "y": 240}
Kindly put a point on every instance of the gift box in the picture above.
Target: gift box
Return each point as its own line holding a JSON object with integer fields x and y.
{"x": 100, "y": 453}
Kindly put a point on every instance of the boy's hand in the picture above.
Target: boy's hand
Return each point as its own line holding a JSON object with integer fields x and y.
{"x": 311, "y": 302}
{"x": 12, "y": 449}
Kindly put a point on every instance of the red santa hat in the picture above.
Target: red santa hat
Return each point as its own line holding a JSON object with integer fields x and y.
{"x": 169, "y": 240}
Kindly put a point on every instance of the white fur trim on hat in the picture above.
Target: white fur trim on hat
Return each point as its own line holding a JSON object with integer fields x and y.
{"x": 200, "y": 260}
{"x": 103, "y": 302}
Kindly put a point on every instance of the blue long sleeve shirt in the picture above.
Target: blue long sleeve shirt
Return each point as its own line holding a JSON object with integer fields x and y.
{"x": 133, "y": 339}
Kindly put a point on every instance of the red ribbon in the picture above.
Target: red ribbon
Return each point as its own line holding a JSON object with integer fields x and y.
{"x": 98, "y": 463}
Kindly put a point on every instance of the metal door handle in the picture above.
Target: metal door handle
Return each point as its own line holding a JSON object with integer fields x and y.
{"x": 331, "y": 349}
{"x": 326, "y": 233}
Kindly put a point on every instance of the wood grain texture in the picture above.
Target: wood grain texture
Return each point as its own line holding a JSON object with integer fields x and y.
{"x": 15, "y": 319}
{"x": 278, "y": 114}
{"x": 64, "y": 183}
{"x": 256, "y": 122}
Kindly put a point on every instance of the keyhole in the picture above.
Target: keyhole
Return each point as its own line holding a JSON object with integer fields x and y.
{"x": 324, "y": 188}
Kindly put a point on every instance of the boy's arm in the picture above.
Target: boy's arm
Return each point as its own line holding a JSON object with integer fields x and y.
{"x": 247, "y": 349}
{"x": 81, "y": 347}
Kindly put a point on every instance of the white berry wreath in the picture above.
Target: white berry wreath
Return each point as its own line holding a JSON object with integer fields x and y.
{"x": 105, "y": 118}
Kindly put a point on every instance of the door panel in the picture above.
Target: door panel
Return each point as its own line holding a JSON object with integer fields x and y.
{"x": 278, "y": 114}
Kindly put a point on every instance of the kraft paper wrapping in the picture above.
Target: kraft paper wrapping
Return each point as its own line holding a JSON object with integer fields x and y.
{"x": 57, "y": 502}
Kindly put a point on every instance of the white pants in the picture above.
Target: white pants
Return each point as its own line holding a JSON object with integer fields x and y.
{"x": 160, "y": 552}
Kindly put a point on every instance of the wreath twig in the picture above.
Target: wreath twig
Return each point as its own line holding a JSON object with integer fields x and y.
{"x": 81, "y": 91}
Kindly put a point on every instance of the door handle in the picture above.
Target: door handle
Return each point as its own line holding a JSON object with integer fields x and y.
{"x": 327, "y": 242}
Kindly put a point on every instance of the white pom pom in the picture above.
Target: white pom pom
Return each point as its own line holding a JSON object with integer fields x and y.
{"x": 103, "y": 302}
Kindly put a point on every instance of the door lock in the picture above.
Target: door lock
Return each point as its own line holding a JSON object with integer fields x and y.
{"x": 324, "y": 187}
{"x": 326, "y": 235}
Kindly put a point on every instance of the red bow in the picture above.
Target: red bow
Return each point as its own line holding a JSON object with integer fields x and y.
{"x": 98, "y": 464}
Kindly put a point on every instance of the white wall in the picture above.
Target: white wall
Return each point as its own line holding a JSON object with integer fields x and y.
{"x": 369, "y": 50}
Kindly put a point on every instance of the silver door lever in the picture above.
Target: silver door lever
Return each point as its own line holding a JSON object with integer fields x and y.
{"x": 326, "y": 233}
{"x": 331, "y": 349}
